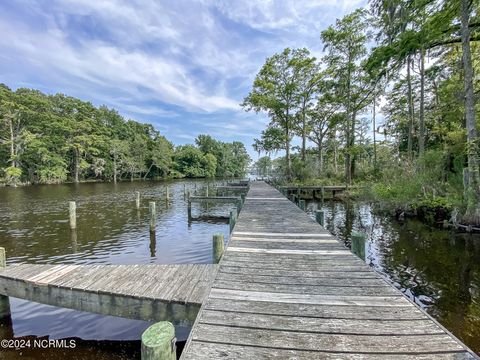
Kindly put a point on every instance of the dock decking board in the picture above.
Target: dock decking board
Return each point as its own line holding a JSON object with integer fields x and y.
{"x": 287, "y": 289}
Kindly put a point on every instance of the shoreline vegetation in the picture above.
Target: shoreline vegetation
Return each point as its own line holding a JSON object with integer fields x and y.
{"x": 53, "y": 139}
{"x": 391, "y": 106}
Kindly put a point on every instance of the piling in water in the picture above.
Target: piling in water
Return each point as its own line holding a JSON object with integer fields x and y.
{"x": 159, "y": 342}
{"x": 320, "y": 217}
{"x": 72, "y": 211}
{"x": 3, "y": 258}
{"x": 233, "y": 219}
{"x": 153, "y": 216}
{"x": 302, "y": 204}
{"x": 167, "y": 194}
{"x": 358, "y": 244}
{"x": 218, "y": 247}
{"x": 189, "y": 206}
{"x": 137, "y": 200}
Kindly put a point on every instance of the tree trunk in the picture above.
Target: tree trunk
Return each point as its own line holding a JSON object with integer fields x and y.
{"x": 114, "y": 169}
{"x": 76, "y": 165}
{"x": 410, "y": 111}
{"x": 472, "y": 214}
{"x": 287, "y": 149}
{"x": 421, "y": 136}
{"x": 320, "y": 157}
{"x": 12, "y": 144}
{"x": 304, "y": 134}
{"x": 374, "y": 139}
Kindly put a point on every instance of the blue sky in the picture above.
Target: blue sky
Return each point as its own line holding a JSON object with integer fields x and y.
{"x": 184, "y": 66}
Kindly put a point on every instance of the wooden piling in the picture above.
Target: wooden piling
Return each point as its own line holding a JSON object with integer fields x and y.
{"x": 159, "y": 342}
{"x": 218, "y": 247}
{"x": 3, "y": 258}
{"x": 189, "y": 206}
{"x": 206, "y": 191}
{"x": 358, "y": 244}
{"x": 137, "y": 200}
{"x": 153, "y": 215}
{"x": 167, "y": 194}
{"x": 322, "y": 192}
{"x": 233, "y": 219}
{"x": 320, "y": 217}
{"x": 72, "y": 211}
{"x": 302, "y": 204}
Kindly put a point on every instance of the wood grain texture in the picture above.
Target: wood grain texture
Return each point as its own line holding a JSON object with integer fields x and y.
{"x": 287, "y": 289}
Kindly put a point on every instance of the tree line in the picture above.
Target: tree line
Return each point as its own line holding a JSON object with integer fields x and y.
{"x": 415, "y": 61}
{"x": 56, "y": 138}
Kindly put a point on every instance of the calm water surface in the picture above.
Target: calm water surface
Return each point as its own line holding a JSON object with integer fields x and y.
{"x": 34, "y": 229}
{"x": 439, "y": 270}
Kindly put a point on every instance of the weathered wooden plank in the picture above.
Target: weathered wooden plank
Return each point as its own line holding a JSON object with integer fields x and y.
{"x": 315, "y": 325}
{"x": 300, "y": 280}
{"x": 319, "y": 299}
{"x": 328, "y": 311}
{"x": 383, "y": 291}
{"x": 288, "y": 251}
{"x": 383, "y": 344}
{"x": 319, "y": 274}
{"x": 213, "y": 350}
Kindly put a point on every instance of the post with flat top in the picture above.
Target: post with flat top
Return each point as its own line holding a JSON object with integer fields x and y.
{"x": 358, "y": 244}
{"x": 233, "y": 219}
{"x": 153, "y": 216}
{"x": 218, "y": 247}
{"x": 72, "y": 212}
{"x": 5, "y": 314}
{"x": 320, "y": 217}
{"x": 302, "y": 204}
{"x": 189, "y": 206}
{"x": 137, "y": 200}
{"x": 159, "y": 342}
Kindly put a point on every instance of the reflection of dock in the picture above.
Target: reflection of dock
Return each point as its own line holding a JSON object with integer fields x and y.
{"x": 287, "y": 289}
{"x": 143, "y": 292}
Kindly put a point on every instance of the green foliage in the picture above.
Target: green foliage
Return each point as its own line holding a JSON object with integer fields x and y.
{"x": 55, "y": 138}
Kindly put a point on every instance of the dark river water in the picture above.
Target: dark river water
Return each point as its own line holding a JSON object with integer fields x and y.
{"x": 437, "y": 269}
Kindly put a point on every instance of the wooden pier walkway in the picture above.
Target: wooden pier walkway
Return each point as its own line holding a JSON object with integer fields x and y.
{"x": 143, "y": 292}
{"x": 287, "y": 289}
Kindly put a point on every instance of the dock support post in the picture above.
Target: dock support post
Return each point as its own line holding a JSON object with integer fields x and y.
{"x": 218, "y": 247}
{"x": 184, "y": 190}
{"x": 189, "y": 206}
{"x": 167, "y": 194}
{"x": 233, "y": 219}
{"x": 323, "y": 193}
{"x": 5, "y": 315}
{"x": 72, "y": 212}
{"x": 153, "y": 216}
{"x": 3, "y": 258}
{"x": 137, "y": 200}
{"x": 358, "y": 244}
{"x": 159, "y": 342}
{"x": 320, "y": 217}
{"x": 302, "y": 204}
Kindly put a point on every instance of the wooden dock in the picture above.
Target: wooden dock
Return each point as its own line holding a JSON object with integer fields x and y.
{"x": 287, "y": 289}
{"x": 143, "y": 292}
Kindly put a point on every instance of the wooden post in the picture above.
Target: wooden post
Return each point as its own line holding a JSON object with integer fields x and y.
{"x": 137, "y": 200}
{"x": 206, "y": 191}
{"x": 233, "y": 219}
{"x": 358, "y": 244}
{"x": 159, "y": 342}
{"x": 320, "y": 216}
{"x": 189, "y": 206}
{"x": 184, "y": 190}
{"x": 167, "y": 194}
{"x": 3, "y": 258}
{"x": 323, "y": 193}
{"x": 153, "y": 216}
{"x": 218, "y": 247}
{"x": 72, "y": 211}
{"x": 302, "y": 204}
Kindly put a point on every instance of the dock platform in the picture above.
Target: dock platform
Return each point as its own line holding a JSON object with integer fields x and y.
{"x": 143, "y": 292}
{"x": 287, "y": 289}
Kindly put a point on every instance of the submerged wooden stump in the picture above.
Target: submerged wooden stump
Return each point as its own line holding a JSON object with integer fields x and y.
{"x": 159, "y": 342}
